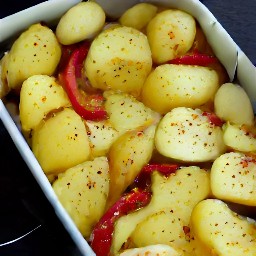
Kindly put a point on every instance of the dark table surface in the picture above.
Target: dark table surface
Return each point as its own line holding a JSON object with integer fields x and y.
{"x": 23, "y": 205}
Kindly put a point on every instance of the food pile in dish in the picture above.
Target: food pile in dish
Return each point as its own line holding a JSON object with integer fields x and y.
{"x": 145, "y": 140}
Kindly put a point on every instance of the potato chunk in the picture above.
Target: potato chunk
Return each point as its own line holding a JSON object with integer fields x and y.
{"x": 162, "y": 227}
{"x": 127, "y": 155}
{"x": 239, "y": 137}
{"x": 221, "y": 231}
{"x": 82, "y": 21}
{"x": 177, "y": 195}
{"x": 186, "y": 134}
{"x": 171, "y": 33}
{"x": 152, "y": 250}
{"x": 231, "y": 103}
{"x": 127, "y": 113}
{"x": 61, "y": 142}
{"x": 170, "y": 86}
{"x": 101, "y": 135}
{"x": 36, "y": 51}
{"x": 233, "y": 178}
{"x": 83, "y": 190}
{"x": 120, "y": 59}
{"x": 39, "y": 95}
{"x": 4, "y": 87}
{"x": 138, "y": 16}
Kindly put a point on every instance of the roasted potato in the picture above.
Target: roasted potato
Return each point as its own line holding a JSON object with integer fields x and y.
{"x": 232, "y": 104}
{"x": 138, "y": 16}
{"x": 126, "y": 113}
{"x": 152, "y": 250}
{"x": 119, "y": 59}
{"x": 83, "y": 190}
{"x": 61, "y": 142}
{"x": 127, "y": 155}
{"x": 101, "y": 135}
{"x": 219, "y": 231}
{"x": 239, "y": 137}
{"x": 170, "y": 33}
{"x": 4, "y": 87}
{"x": 185, "y": 134}
{"x": 169, "y": 86}
{"x": 80, "y": 22}
{"x": 36, "y": 52}
{"x": 233, "y": 178}
{"x": 39, "y": 95}
{"x": 176, "y": 196}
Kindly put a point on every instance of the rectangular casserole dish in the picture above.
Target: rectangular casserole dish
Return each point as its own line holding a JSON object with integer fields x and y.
{"x": 237, "y": 64}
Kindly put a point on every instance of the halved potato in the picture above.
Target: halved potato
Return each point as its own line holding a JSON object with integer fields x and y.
{"x": 83, "y": 191}
{"x": 101, "y": 135}
{"x": 152, "y": 250}
{"x": 173, "y": 198}
{"x": 239, "y": 137}
{"x": 119, "y": 59}
{"x": 170, "y": 33}
{"x": 219, "y": 231}
{"x": 186, "y": 134}
{"x": 39, "y": 95}
{"x": 4, "y": 87}
{"x": 61, "y": 142}
{"x": 35, "y": 52}
{"x": 128, "y": 154}
{"x": 233, "y": 178}
{"x": 127, "y": 113}
{"x": 138, "y": 16}
{"x": 169, "y": 86}
{"x": 82, "y": 21}
{"x": 231, "y": 103}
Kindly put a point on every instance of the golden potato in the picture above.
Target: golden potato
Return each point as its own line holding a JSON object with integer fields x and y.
{"x": 61, "y": 142}
{"x": 101, "y": 135}
{"x": 231, "y": 103}
{"x": 83, "y": 190}
{"x": 82, "y": 21}
{"x": 120, "y": 59}
{"x": 233, "y": 178}
{"x": 219, "y": 231}
{"x": 39, "y": 95}
{"x": 138, "y": 16}
{"x": 185, "y": 134}
{"x": 4, "y": 87}
{"x": 151, "y": 250}
{"x": 36, "y": 51}
{"x": 170, "y": 33}
{"x": 239, "y": 137}
{"x": 127, "y": 155}
{"x": 170, "y": 86}
{"x": 127, "y": 113}
{"x": 161, "y": 227}
{"x": 178, "y": 194}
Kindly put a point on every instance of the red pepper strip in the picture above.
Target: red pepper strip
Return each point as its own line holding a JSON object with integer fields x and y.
{"x": 213, "y": 118}
{"x": 199, "y": 59}
{"x": 66, "y": 51}
{"x": 143, "y": 180}
{"x": 89, "y": 108}
{"x": 101, "y": 237}
{"x": 165, "y": 169}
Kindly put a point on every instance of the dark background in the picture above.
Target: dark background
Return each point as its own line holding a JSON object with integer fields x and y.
{"x": 23, "y": 205}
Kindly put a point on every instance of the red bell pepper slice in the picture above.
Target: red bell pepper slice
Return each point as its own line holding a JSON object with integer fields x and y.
{"x": 88, "y": 107}
{"x": 196, "y": 58}
{"x": 213, "y": 118}
{"x": 101, "y": 237}
{"x": 143, "y": 180}
{"x": 138, "y": 197}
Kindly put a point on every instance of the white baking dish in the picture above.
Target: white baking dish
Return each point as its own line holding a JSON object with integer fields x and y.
{"x": 232, "y": 57}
